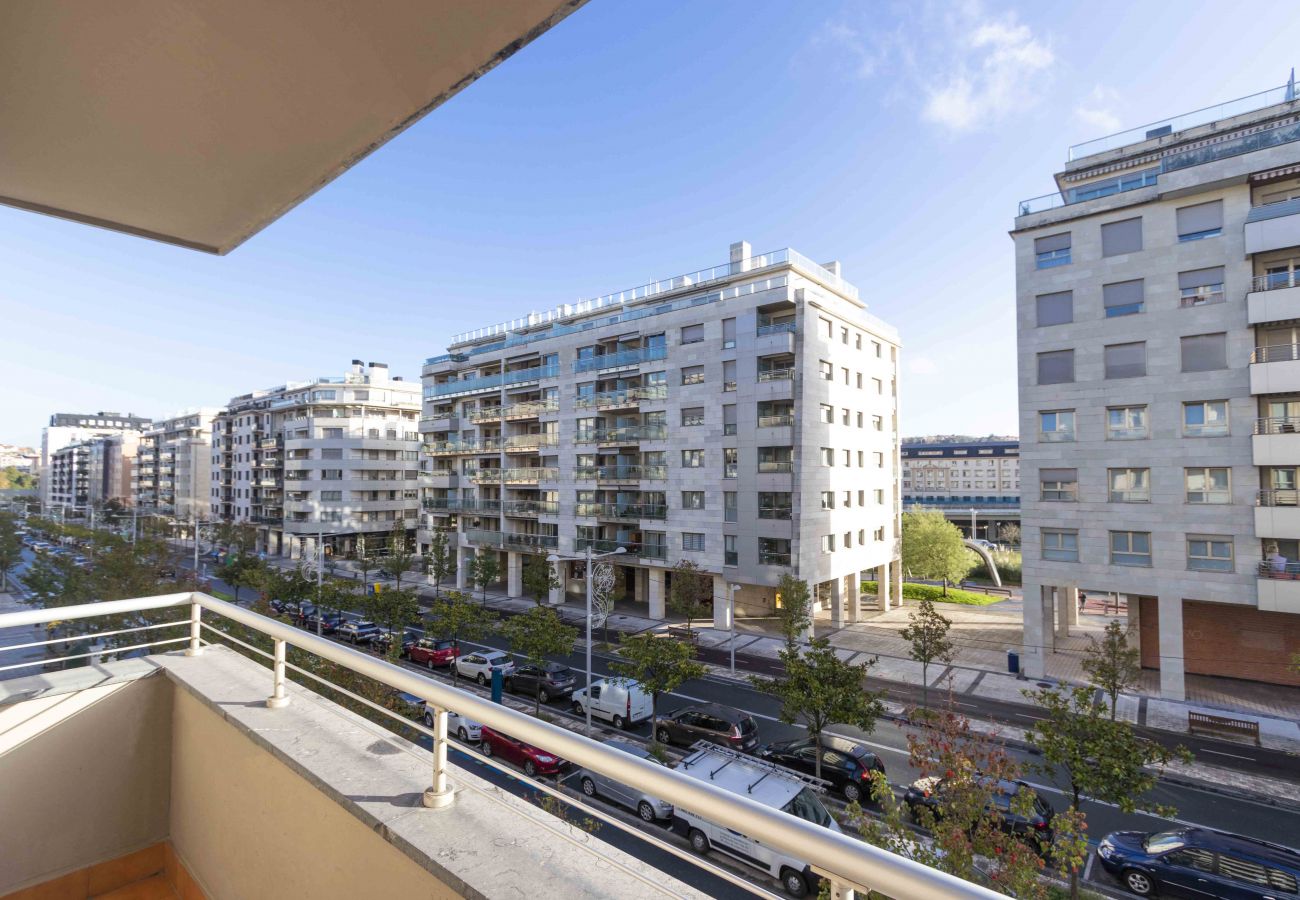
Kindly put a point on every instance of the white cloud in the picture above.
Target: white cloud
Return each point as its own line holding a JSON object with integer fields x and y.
{"x": 993, "y": 76}
{"x": 1097, "y": 110}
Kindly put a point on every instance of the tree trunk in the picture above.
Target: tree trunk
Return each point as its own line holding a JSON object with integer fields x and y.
{"x": 817, "y": 760}
{"x": 945, "y": 587}
{"x": 925, "y": 685}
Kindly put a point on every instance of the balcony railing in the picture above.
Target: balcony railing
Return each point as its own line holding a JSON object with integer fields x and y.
{"x": 771, "y": 558}
{"x": 620, "y": 473}
{"x": 529, "y": 441}
{"x": 1283, "y": 570}
{"x": 530, "y": 474}
{"x": 512, "y": 539}
{"x": 622, "y": 510}
{"x": 627, "y": 434}
{"x": 634, "y": 548}
{"x": 461, "y": 504}
{"x": 487, "y": 382}
{"x": 526, "y": 409}
{"x": 1277, "y": 497}
{"x": 1275, "y": 282}
{"x": 765, "y": 329}
{"x": 441, "y": 422}
{"x": 1277, "y": 425}
{"x": 776, "y": 421}
{"x": 775, "y": 466}
{"x": 452, "y": 448}
{"x": 531, "y": 507}
{"x": 1276, "y": 353}
{"x": 776, "y": 375}
{"x": 775, "y": 512}
{"x": 617, "y": 399}
{"x": 621, "y": 358}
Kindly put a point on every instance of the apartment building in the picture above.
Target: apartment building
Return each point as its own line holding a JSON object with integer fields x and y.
{"x": 93, "y": 471}
{"x": 333, "y": 459}
{"x": 172, "y": 474}
{"x": 70, "y": 428}
{"x": 1158, "y": 318}
{"x": 967, "y": 480}
{"x": 743, "y": 417}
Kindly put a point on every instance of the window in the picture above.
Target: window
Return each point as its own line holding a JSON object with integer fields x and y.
{"x": 1207, "y": 484}
{"x": 728, "y": 334}
{"x": 1056, "y": 367}
{"x": 332, "y": 432}
{"x": 693, "y": 415}
{"x": 729, "y": 555}
{"x": 1126, "y": 360}
{"x": 1126, "y": 423}
{"x": 331, "y": 496}
{"x": 826, "y": 369}
{"x": 1060, "y": 544}
{"x": 692, "y": 499}
{"x": 880, "y": 496}
{"x": 1205, "y": 352}
{"x": 862, "y": 498}
{"x": 730, "y": 512}
{"x": 848, "y": 459}
{"x": 774, "y": 551}
{"x": 862, "y": 536}
{"x": 1204, "y": 220}
{"x": 1055, "y": 309}
{"x": 331, "y": 474}
{"x": 1060, "y": 485}
{"x": 1130, "y": 485}
{"x": 1130, "y": 548}
{"x": 692, "y": 334}
{"x": 1055, "y": 426}
{"x": 844, "y": 416}
{"x": 693, "y": 541}
{"x": 828, "y": 543}
{"x": 730, "y": 462}
{"x": 693, "y": 375}
{"x": 876, "y": 345}
{"x": 1052, "y": 251}
{"x": 879, "y": 534}
{"x": 1123, "y": 298}
{"x": 692, "y": 459}
{"x": 844, "y": 336}
{"x": 878, "y": 423}
{"x": 1205, "y": 418}
{"x": 828, "y": 413}
{"x": 1201, "y": 287}
{"x": 774, "y": 505}
{"x": 1209, "y": 552}
{"x": 826, "y": 325}
{"x": 880, "y": 460}
{"x": 878, "y": 385}
{"x": 828, "y": 499}
{"x": 828, "y": 456}
{"x": 1121, "y": 237}
{"x": 848, "y": 539}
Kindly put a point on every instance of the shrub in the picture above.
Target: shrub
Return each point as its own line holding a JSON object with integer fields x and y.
{"x": 1008, "y": 563}
{"x": 934, "y": 592}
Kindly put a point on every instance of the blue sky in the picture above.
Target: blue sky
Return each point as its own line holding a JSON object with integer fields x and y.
{"x": 637, "y": 141}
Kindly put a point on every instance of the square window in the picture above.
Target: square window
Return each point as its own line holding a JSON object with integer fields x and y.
{"x": 1056, "y": 425}
{"x": 1060, "y": 545}
{"x": 1130, "y": 548}
{"x": 1208, "y": 484}
{"x": 1126, "y": 423}
{"x": 692, "y": 459}
{"x": 692, "y": 499}
{"x": 1129, "y": 485}
{"x": 693, "y": 541}
{"x": 1205, "y": 418}
{"x": 1052, "y": 251}
{"x": 1209, "y": 553}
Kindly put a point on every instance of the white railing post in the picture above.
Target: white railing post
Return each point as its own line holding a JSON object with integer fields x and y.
{"x": 196, "y": 619}
{"x": 440, "y": 794}
{"x": 278, "y": 697}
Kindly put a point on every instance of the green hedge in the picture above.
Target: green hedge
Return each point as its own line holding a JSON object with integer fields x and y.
{"x": 1008, "y": 563}
{"x": 935, "y": 593}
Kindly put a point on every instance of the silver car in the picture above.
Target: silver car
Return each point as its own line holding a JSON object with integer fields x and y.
{"x": 594, "y": 784}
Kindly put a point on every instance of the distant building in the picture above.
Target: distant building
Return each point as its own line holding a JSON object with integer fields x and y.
{"x": 24, "y": 459}
{"x": 959, "y": 476}
{"x": 91, "y": 472}
{"x": 70, "y": 428}
{"x": 173, "y": 468}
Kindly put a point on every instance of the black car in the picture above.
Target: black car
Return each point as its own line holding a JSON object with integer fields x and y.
{"x": 381, "y": 641}
{"x": 846, "y": 765}
{"x": 1036, "y": 826}
{"x": 328, "y": 621}
{"x": 548, "y": 682}
{"x": 710, "y": 722}
{"x": 1200, "y": 862}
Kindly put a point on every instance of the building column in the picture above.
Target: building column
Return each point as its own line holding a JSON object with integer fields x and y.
{"x": 656, "y": 576}
{"x": 557, "y": 594}
{"x": 514, "y": 574}
{"x": 1072, "y": 607}
{"x": 462, "y": 568}
{"x": 1063, "y": 597}
{"x": 295, "y": 548}
{"x": 837, "y": 603}
{"x": 1172, "y": 685}
{"x": 882, "y": 586}
{"x": 1133, "y": 610}
{"x": 852, "y": 597}
{"x": 721, "y": 603}
{"x": 896, "y": 582}
{"x": 1037, "y": 631}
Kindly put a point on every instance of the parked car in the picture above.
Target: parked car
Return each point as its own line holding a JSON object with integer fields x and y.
{"x": 481, "y": 664}
{"x": 382, "y": 639}
{"x": 594, "y": 784}
{"x": 434, "y": 653}
{"x": 620, "y": 701}
{"x": 928, "y": 792}
{"x": 1200, "y": 862}
{"x": 467, "y": 730}
{"x": 549, "y": 682}
{"x": 358, "y": 631}
{"x": 329, "y": 621}
{"x": 847, "y": 766}
{"x": 710, "y": 722}
{"x": 410, "y": 705}
{"x": 533, "y": 760}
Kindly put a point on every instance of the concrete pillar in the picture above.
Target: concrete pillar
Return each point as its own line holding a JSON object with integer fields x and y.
{"x": 852, "y": 597}
{"x": 1037, "y": 631}
{"x": 308, "y": 551}
{"x": 1072, "y": 605}
{"x": 295, "y": 548}
{"x": 557, "y": 594}
{"x": 1171, "y": 648}
{"x": 896, "y": 582}
{"x": 514, "y": 575}
{"x": 1061, "y": 600}
{"x": 882, "y": 586}
{"x": 656, "y": 577}
{"x": 462, "y": 568}
{"x": 837, "y": 603}
{"x": 1133, "y": 611}
{"x": 721, "y": 603}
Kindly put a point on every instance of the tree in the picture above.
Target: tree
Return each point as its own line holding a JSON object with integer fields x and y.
{"x": 691, "y": 588}
{"x": 484, "y": 570}
{"x": 794, "y": 615}
{"x": 537, "y": 635}
{"x": 393, "y": 610}
{"x": 1112, "y": 665}
{"x": 661, "y": 664}
{"x": 455, "y": 617}
{"x": 248, "y": 572}
{"x": 1101, "y": 758}
{"x": 336, "y": 595}
{"x": 11, "y": 548}
{"x": 441, "y": 560}
{"x": 401, "y": 554}
{"x": 1009, "y": 533}
{"x": 933, "y": 548}
{"x": 927, "y": 633}
{"x": 540, "y": 578}
{"x": 821, "y": 689}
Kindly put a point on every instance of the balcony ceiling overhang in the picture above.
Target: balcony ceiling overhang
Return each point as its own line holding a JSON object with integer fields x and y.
{"x": 200, "y": 122}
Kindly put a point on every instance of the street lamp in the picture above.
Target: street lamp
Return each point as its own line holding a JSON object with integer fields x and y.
{"x": 973, "y": 535}
{"x": 731, "y": 620}
{"x": 589, "y": 559}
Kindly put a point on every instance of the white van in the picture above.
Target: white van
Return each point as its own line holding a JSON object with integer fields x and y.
{"x": 767, "y": 783}
{"x": 620, "y": 701}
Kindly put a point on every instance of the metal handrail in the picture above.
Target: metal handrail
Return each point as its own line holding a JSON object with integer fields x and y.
{"x": 1277, "y": 425}
{"x": 850, "y": 862}
{"x": 1274, "y": 282}
{"x": 776, "y": 374}
{"x": 1276, "y": 353}
{"x": 1277, "y": 497}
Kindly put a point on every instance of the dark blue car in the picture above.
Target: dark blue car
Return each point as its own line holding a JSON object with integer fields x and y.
{"x": 1200, "y": 862}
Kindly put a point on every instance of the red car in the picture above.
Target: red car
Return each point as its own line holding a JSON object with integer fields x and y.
{"x": 434, "y": 653}
{"x": 533, "y": 760}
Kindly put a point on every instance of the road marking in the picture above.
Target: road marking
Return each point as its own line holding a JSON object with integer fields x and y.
{"x": 1233, "y": 755}
{"x": 1027, "y": 716}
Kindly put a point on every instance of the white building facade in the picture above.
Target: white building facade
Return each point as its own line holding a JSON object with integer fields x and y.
{"x": 1158, "y": 317}
{"x": 332, "y": 459}
{"x": 742, "y": 417}
{"x": 65, "y": 429}
{"x": 172, "y": 474}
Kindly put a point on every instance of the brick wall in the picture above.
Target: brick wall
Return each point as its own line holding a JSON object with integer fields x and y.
{"x": 1230, "y": 641}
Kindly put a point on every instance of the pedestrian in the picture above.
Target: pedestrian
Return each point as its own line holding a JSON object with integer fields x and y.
{"x": 1083, "y": 599}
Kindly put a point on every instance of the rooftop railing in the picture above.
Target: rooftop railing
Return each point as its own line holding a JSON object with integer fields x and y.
{"x": 488, "y": 382}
